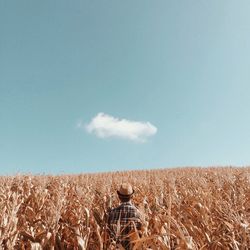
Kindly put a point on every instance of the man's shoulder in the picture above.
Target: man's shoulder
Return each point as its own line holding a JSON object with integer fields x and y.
{"x": 131, "y": 208}
{"x": 125, "y": 205}
{"x": 115, "y": 210}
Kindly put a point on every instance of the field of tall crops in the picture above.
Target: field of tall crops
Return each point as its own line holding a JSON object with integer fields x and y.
{"x": 187, "y": 208}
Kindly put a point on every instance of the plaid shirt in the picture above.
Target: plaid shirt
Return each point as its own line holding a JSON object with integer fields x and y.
{"x": 122, "y": 220}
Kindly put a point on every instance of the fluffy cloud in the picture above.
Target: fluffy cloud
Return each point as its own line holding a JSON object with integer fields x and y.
{"x": 104, "y": 126}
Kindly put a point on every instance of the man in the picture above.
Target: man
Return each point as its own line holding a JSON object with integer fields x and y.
{"x": 124, "y": 219}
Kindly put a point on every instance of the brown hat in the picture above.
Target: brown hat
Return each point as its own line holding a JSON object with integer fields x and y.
{"x": 125, "y": 190}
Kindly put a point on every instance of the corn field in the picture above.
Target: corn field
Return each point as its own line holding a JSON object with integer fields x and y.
{"x": 186, "y": 208}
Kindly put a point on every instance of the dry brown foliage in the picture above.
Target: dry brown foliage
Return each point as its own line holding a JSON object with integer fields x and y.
{"x": 188, "y": 208}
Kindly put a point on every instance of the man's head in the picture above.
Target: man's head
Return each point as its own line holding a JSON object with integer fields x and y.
{"x": 125, "y": 192}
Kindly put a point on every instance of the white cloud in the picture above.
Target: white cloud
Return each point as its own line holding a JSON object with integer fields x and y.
{"x": 104, "y": 126}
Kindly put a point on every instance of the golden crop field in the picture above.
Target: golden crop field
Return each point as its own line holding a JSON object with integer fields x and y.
{"x": 187, "y": 208}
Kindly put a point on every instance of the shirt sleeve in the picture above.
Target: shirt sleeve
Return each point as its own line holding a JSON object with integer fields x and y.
{"x": 139, "y": 219}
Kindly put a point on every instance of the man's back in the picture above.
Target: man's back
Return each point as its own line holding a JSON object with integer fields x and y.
{"x": 123, "y": 220}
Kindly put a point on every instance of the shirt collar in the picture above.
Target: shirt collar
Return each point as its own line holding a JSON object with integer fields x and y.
{"x": 126, "y": 203}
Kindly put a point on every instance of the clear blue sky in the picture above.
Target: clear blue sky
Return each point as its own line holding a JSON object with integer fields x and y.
{"x": 183, "y": 66}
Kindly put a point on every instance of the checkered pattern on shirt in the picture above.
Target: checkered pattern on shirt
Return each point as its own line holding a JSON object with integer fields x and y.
{"x": 127, "y": 216}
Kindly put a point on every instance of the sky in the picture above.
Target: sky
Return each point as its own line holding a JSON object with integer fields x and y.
{"x": 93, "y": 86}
